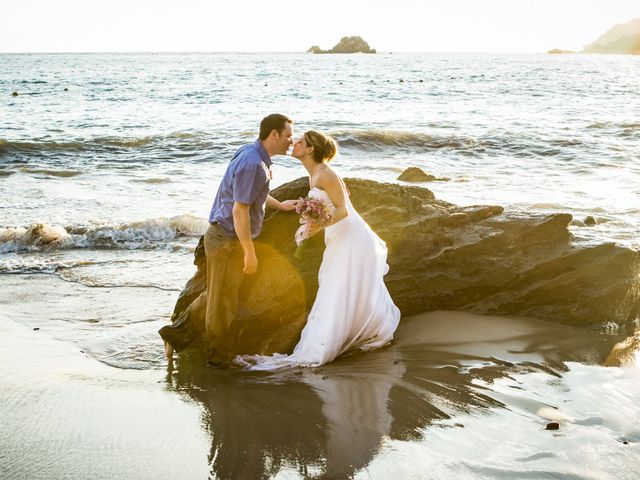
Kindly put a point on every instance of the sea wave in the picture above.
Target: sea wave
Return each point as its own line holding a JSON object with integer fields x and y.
{"x": 609, "y": 125}
{"x": 511, "y": 143}
{"x": 51, "y": 172}
{"x": 185, "y": 141}
{"x": 146, "y": 234}
{"x": 383, "y": 139}
{"x": 202, "y": 144}
{"x": 153, "y": 181}
{"x": 7, "y": 147}
{"x": 40, "y": 265}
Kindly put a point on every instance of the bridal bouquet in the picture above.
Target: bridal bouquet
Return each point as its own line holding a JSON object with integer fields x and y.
{"x": 314, "y": 215}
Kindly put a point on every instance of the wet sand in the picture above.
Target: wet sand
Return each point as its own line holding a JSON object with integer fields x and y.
{"x": 455, "y": 396}
{"x": 66, "y": 415}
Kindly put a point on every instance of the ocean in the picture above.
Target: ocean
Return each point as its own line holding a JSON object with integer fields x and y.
{"x": 109, "y": 164}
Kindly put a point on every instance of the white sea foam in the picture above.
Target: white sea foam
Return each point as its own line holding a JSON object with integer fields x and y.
{"x": 20, "y": 264}
{"x": 34, "y": 237}
{"x": 143, "y": 234}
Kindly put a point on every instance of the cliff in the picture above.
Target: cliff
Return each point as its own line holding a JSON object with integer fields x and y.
{"x": 623, "y": 38}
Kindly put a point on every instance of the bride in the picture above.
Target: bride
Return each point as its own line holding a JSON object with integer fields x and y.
{"x": 352, "y": 309}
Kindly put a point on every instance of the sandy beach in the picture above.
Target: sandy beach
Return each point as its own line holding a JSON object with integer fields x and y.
{"x": 455, "y": 395}
{"x": 66, "y": 415}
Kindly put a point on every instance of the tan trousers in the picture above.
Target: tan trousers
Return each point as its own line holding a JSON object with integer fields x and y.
{"x": 225, "y": 261}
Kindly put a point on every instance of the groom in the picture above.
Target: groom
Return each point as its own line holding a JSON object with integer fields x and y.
{"x": 235, "y": 220}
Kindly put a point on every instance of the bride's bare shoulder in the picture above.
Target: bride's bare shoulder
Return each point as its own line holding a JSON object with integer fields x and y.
{"x": 326, "y": 178}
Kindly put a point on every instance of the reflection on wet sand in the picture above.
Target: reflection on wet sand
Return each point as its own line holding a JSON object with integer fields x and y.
{"x": 332, "y": 421}
{"x": 322, "y": 422}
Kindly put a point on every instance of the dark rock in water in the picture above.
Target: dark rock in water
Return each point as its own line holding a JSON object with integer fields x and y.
{"x": 352, "y": 44}
{"x": 624, "y": 352}
{"x": 577, "y": 223}
{"x": 553, "y": 426}
{"x": 441, "y": 257}
{"x": 15, "y": 94}
{"x": 589, "y": 221}
{"x": 415, "y": 174}
{"x": 66, "y": 89}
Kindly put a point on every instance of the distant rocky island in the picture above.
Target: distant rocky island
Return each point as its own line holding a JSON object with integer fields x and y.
{"x": 352, "y": 44}
{"x": 557, "y": 51}
{"x": 623, "y": 38}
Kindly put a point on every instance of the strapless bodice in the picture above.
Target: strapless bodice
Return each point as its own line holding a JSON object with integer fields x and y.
{"x": 318, "y": 193}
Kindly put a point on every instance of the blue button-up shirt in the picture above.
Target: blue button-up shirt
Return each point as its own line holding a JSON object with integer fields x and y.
{"x": 245, "y": 181}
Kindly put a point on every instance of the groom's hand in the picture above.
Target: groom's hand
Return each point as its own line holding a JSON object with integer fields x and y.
{"x": 250, "y": 263}
{"x": 285, "y": 206}
{"x": 288, "y": 205}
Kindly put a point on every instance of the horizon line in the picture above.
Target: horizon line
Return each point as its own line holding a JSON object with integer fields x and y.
{"x": 254, "y": 52}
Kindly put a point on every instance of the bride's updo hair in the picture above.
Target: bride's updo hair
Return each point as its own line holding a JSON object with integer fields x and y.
{"x": 324, "y": 146}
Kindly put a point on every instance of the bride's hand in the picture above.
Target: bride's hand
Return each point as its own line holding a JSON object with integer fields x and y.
{"x": 314, "y": 228}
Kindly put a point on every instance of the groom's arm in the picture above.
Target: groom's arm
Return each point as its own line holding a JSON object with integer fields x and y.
{"x": 285, "y": 206}
{"x": 242, "y": 226}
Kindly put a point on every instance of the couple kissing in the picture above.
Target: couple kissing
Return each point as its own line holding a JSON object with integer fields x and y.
{"x": 352, "y": 308}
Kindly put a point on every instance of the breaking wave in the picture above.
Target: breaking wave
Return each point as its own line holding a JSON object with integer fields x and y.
{"x": 51, "y": 172}
{"x": 146, "y": 234}
{"x": 202, "y": 145}
{"x": 177, "y": 141}
{"x": 383, "y": 139}
{"x": 514, "y": 144}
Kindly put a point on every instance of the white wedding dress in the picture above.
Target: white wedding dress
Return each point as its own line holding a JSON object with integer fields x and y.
{"x": 352, "y": 309}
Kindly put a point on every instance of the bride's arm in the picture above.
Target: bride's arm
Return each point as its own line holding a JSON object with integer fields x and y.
{"x": 330, "y": 183}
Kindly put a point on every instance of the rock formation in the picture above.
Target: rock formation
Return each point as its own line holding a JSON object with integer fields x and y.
{"x": 415, "y": 174}
{"x": 624, "y": 353}
{"x": 441, "y": 257}
{"x": 353, "y": 44}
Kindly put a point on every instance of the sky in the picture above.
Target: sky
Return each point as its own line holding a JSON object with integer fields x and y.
{"x": 280, "y": 26}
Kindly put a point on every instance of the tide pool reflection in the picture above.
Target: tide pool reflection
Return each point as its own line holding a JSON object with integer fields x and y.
{"x": 331, "y": 422}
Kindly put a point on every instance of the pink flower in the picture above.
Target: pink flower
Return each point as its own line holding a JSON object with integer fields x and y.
{"x": 314, "y": 214}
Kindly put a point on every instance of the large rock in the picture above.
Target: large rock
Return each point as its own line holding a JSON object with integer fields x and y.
{"x": 415, "y": 174}
{"x": 441, "y": 257}
{"x": 353, "y": 44}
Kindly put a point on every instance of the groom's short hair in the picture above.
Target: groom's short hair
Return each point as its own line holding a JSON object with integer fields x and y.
{"x": 275, "y": 121}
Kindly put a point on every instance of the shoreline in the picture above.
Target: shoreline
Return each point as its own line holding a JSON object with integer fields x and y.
{"x": 443, "y": 397}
